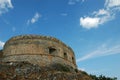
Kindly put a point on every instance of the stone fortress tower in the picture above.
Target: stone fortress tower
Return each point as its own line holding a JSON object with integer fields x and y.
{"x": 36, "y": 49}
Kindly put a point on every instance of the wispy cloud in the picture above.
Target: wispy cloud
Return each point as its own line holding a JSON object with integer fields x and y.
{"x": 34, "y": 19}
{"x": 111, "y": 7}
{"x": 73, "y": 2}
{"x": 13, "y": 28}
{"x": 63, "y": 14}
{"x": 112, "y": 3}
{"x": 1, "y": 44}
{"x": 103, "y": 50}
{"x": 5, "y": 5}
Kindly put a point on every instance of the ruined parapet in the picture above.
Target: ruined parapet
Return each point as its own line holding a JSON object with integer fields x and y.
{"x": 41, "y": 50}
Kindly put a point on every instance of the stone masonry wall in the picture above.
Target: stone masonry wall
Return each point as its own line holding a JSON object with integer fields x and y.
{"x": 40, "y": 50}
{"x": 42, "y": 60}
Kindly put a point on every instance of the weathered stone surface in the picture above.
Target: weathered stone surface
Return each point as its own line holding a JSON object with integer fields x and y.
{"x": 34, "y": 57}
{"x": 41, "y": 60}
{"x": 41, "y": 50}
{"x": 27, "y": 71}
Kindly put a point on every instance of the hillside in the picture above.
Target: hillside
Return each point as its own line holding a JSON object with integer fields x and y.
{"x": 27, "y": 71}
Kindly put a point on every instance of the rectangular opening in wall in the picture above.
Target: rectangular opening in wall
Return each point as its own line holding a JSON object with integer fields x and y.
{"x": 73, "y": 60}
{"x": 65, "y": 55}
{"x": 52, "y": 50}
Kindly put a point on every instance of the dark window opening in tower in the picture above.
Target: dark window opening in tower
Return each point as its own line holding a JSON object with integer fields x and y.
{"x": 65, "y": 55}
{"x": 73, "y": 59}
{"x": 52, "y": 50}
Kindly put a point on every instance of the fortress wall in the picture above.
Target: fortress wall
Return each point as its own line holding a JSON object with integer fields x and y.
{"x": 42, "y": 60}
{"x": 33, "y": 37}
{"x": 38, "y": 49}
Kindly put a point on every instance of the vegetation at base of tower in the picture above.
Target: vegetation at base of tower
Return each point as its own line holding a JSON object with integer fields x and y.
{"x": 60, "y": 67}
{"x": 83, "y": 72}
{"x": 28, "y": 71}
{"x": 101, "y": 77}
{"x": 76, "y": 70}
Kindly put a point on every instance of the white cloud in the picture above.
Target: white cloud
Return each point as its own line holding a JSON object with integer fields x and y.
{"x": 5, "y": 5}
{"x": 102, "y": 15}
{"x": 1, "y": 44}
{"x": 101, "y": 12}
{"x": 103, "y": 50}
{"x": 89, "y": 22}
{"x": 112, "y": 3}
{"x": 34, "y": 19}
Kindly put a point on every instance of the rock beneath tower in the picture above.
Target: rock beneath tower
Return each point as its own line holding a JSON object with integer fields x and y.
{"x": 35, "y": 57}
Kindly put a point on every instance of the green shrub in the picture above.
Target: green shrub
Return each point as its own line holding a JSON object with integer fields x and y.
{"x": 60, "y": 67}
{"x": 84, "y": 72}
{"x": 76, "y": 70}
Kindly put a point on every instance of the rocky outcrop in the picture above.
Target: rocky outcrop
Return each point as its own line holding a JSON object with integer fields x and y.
{"x": 35, "y": 57}
{"x": 28, "y": 71}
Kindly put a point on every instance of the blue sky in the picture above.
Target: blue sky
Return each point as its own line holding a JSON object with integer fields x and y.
{"x": 90, "y": 27}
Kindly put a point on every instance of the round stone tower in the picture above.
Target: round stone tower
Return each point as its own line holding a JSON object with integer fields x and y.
{"x": 36, "y": 49}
